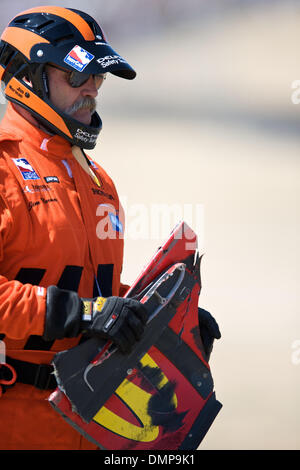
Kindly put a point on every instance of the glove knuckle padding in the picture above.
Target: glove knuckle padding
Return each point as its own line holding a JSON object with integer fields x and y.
{"x": 139, "y": 310}
{"x": 121, "y": 320}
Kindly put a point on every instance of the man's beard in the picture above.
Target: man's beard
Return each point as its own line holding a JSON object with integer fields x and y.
{"x": 85, "y": 103}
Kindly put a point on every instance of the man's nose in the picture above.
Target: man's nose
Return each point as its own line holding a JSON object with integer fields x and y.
{"x": 89, "y": 88}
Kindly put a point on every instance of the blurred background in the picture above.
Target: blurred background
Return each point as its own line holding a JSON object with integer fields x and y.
{"x": 211, "y": 122}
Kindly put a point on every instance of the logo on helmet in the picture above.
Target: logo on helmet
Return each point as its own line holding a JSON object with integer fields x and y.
{"x": 78, "y": 58}
{"x": 110, "y": 60}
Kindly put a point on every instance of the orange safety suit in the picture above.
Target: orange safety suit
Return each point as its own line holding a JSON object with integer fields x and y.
{"x": 52, "y": 219}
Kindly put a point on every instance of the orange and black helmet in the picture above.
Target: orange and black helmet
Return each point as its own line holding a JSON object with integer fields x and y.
{"x": 69, "y": 39}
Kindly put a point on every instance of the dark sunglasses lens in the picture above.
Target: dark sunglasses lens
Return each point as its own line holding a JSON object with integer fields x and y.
{"x": 77, "y": 79}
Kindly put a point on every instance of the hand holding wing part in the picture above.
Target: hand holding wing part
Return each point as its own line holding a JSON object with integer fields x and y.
{"x": 209, "y": 330}
{"x": 118, "y": 319}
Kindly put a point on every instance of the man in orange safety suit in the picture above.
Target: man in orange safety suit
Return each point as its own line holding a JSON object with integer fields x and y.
{"x": 61, "y": 224}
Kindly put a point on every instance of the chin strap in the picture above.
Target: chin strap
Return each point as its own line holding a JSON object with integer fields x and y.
{"x": 85, "y": 163}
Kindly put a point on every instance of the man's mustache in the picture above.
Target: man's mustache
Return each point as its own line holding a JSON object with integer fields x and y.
{"x": 85, "y": 103}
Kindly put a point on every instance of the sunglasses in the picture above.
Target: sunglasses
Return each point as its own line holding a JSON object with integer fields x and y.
{"x": 77, "y": 79}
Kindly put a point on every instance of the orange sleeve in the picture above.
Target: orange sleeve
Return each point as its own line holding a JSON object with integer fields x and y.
{"x": 22, "y": 309}
{"x": 22, "y": 306}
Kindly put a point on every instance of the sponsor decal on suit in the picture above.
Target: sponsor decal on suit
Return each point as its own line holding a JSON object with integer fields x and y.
{"x": 26, "y": 170}
{"x": 51, "y": 179}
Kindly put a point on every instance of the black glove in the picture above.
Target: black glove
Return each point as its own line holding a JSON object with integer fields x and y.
{"x": 119, "y": 319}
{"x": 209, "y": 330}
{"x": 115, "y": 318}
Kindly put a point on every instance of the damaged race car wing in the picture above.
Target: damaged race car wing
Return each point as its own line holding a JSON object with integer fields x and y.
{"x": 88, "y": 388}
{"x": 165, "y": 400}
